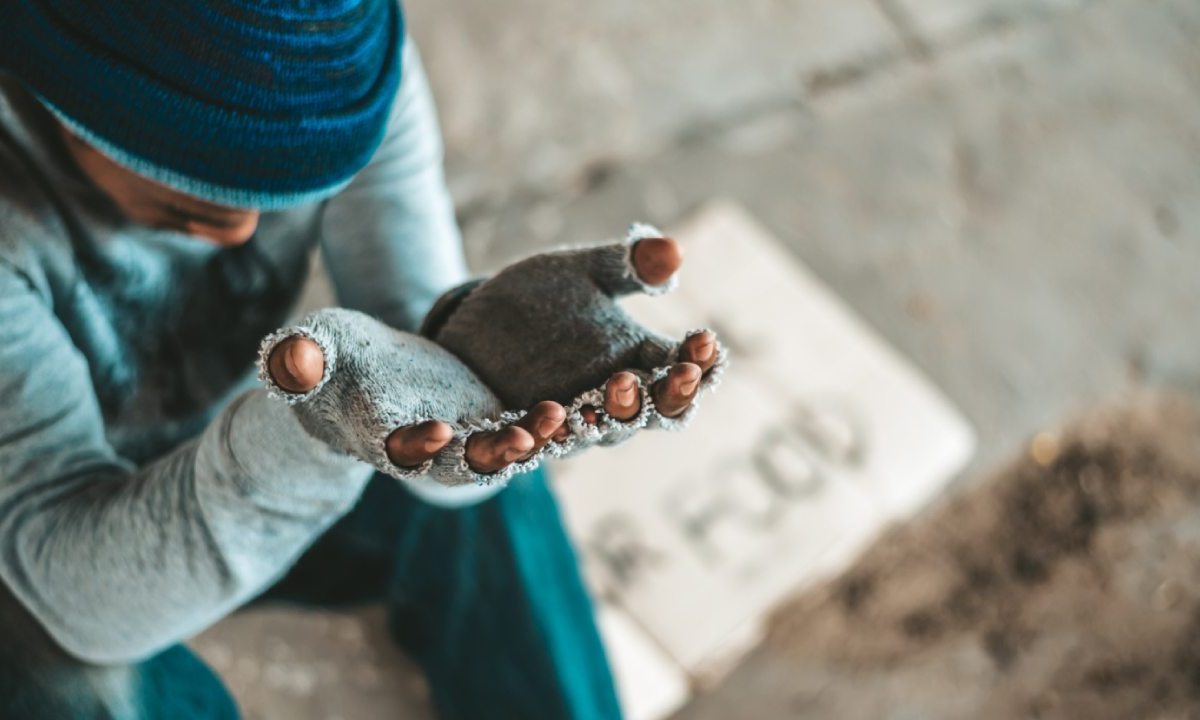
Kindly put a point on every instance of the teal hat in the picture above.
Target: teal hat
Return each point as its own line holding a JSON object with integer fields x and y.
{"x": 247, "y": 103}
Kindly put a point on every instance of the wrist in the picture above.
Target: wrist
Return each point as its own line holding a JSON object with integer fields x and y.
{"x": 284, "y": 466}
{"x": 445, "y": 306}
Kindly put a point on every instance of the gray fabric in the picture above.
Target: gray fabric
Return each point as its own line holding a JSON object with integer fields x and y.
{"x": 548, "y": 328}
{"x": 545, "y": 328}
{"x": 378, "y": 379}
{"x": 117, "y": 561}
{"x": 145, "y": 489}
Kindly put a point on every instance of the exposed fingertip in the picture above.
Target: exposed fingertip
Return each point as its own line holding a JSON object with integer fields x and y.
{"x": 548, "y": 426}
{"x": 688, "y": 378}
{"x": 543, "y": 420}
{"x": 550, "y": 410}
{"x": 701, "y": 347}
{"x": 411, "y": 445}
{"x": 656, "y": 259}
{"x": 519, "y": 443}
{"x": 623, "y": 380}
{"x": 439, "y": 434}
{"x": 621, "y": 390}
{"x": 296, "y": 364}
{"x": 686, "y": 371}
{"x": 393, "y": 444}
{"x": 305, "y": 361}
{"x": 517, "y": 435}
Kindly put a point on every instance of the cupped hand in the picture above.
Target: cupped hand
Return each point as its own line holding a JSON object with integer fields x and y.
{"x": 537, "y": 360}
{"x": 297, "y": 366}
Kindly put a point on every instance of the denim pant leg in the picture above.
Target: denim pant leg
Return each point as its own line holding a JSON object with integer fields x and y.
{"x": 488, "y": 599}
{"x": 178, "y": 684}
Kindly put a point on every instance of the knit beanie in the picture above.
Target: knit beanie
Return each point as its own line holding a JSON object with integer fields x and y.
{"x": 247, "y": 103}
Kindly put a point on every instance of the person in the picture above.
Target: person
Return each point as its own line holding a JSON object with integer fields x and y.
{"x": 166, "y": 171}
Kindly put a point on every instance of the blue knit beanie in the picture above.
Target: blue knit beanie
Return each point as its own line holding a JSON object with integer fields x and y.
{"x": 249, "y": 103}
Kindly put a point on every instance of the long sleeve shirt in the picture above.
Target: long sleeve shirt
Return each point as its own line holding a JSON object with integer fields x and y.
{"x": 146, "y": 487}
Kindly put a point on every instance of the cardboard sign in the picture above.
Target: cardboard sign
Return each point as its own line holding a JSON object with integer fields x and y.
{"x": 818, "y": 436}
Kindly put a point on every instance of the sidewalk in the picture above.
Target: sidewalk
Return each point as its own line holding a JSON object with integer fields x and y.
{"x": 1007, "y": 190}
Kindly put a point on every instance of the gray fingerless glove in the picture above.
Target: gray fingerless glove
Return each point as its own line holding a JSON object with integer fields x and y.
{"x": 548, "y": 328}
{"x": 378, "y": 379}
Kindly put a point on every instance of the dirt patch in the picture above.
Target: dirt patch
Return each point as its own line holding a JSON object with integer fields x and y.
{"x": 1066, "y": 586}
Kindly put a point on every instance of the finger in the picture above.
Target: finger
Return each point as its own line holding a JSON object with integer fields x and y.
{"x": 589, "y": 414}
{"x": 296, "y": 364}
{"x": 675, "y": 392}
{"x": 488, "y": 452}
{"x": 412, "y": 445}
{"x": 656, "y": 259}
{"x": 543, "y": 422}
{"x": 621, "y": 398}
{"x": 700, "y": 349}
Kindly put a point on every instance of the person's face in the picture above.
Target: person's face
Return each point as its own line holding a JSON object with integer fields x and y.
{"x": 149, "y": 203}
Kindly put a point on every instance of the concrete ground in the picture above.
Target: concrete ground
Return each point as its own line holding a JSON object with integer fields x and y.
{"x": 1008, "y": 191}
{"x": 1063, "y": 587}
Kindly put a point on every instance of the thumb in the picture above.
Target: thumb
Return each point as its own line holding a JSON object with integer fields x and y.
{"x": 296, "y": 364}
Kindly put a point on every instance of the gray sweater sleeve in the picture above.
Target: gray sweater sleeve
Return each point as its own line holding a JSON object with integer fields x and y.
{"x": 118, "y": 563}
{"x": 390, "y": 240}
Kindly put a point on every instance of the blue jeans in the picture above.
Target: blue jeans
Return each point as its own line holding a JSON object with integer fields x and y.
{"x": 487, "y": 599}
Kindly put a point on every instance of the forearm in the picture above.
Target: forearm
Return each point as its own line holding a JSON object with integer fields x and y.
{"x": 117, "y": 566}
{"x": 390, "y": 239}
